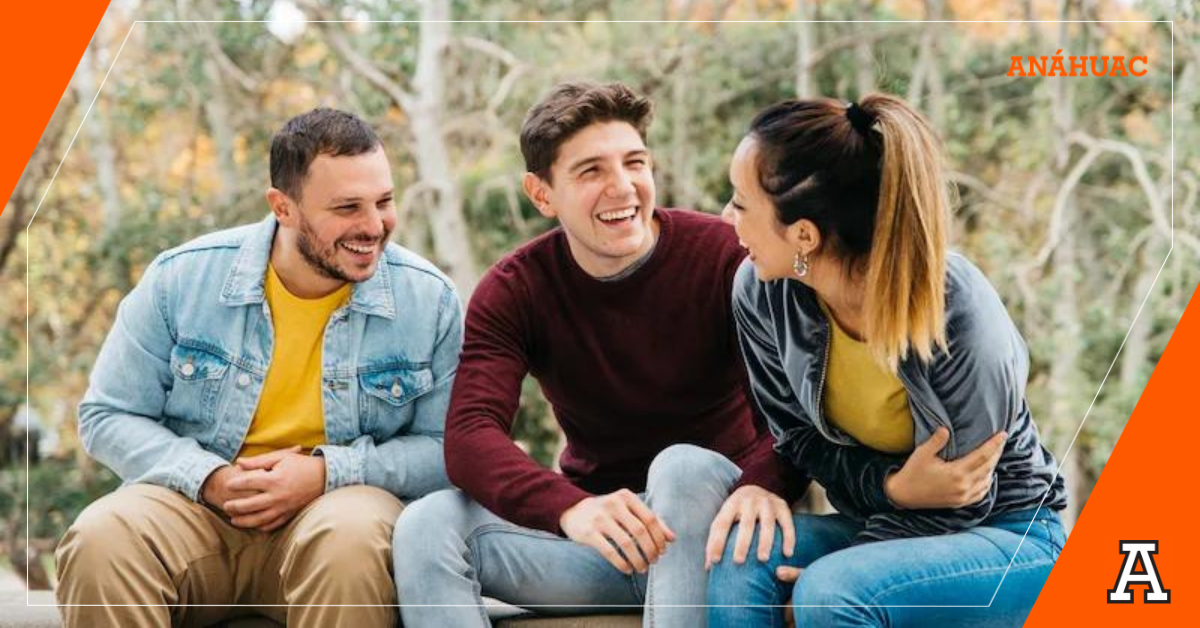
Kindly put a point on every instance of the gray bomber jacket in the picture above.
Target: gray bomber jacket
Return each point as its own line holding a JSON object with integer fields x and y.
{"x": 974, "y": 389}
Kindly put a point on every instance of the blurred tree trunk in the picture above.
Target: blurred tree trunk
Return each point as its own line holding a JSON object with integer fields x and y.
{"x": 927, "y": 75}
{"x": 1135, "y": 357}
{"x": 1064, "y": 371}
{"x": 1136, "y": 360}
{"x": 217, "y": 114}
{"x": 98, "y": 132}
{"x": 1065, "y": 377}
{"x": 805, "y": 43}
{"x": 451, "y": 245}
{"x": 216, "y": 97}
{"x": 424, "y": 107}
{"x": 864, "y": 74}
{"x": 682, "y": 168}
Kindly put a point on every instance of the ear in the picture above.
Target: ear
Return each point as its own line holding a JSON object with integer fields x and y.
{"x": 804, "y": 237}
{"x": 282, "y": 206}
{"x": 538, "y": 191}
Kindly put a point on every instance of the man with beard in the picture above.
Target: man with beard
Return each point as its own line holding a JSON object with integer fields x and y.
{"x": 269, "y": 394}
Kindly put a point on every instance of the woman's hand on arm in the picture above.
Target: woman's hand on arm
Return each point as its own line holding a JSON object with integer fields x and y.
{"x": 750, "y": 505}
{"x": 926, "y": 481}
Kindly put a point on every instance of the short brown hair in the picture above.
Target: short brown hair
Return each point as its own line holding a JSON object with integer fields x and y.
{"x": 322, "y": 131}
{"x": 568, "y": 109}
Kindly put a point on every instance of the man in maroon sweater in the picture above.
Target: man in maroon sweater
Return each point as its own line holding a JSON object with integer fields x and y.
{"x": 623, "y": 314}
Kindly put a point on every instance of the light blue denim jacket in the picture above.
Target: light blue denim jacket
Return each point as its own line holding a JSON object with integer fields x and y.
{"x": 178, "y": 379}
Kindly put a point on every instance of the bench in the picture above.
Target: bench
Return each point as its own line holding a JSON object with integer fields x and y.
{"x": 14, "y": 613}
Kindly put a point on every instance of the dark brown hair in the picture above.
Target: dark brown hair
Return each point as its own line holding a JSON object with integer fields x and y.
{"x": 568, "y": 109}
{"x": 322, "y": 131}
{"x": 873, "y": 182}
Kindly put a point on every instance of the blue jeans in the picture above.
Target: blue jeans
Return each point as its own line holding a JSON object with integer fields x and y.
{"x": 449, "y": 552}
{"x": 946, "y": 580}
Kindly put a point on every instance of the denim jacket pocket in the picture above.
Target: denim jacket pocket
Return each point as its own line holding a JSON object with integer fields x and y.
{"x": 386, "y": 391}
{"x": 196, "y": 389}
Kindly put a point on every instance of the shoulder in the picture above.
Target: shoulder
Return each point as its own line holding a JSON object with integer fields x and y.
{"x": 702, "y": 243}
{"x": 508, "y": 283}
{"x": 536, "y": 252}
{"x": 753, "y": 297}
{"x": 201, "y": 265}
{"x": 750, "y": 290}
{"x": 971, "y": 299}
{"x": 977, "y": 321}
{"x": 964, "y": 278}
{"x": 694, "y": 225}
{"x": 410, "y": 268}
{"x": 746, "y": 287}
{"x": 218, "y": 244}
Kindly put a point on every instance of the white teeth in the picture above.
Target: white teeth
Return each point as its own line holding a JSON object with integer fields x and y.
{"x": 619, "y": 214}
{"x": 358, "y": 249}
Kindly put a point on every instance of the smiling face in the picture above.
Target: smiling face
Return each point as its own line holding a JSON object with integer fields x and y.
{"x": 342, "y": 221}
{"x": 772, "y": 245}
{"x": 602, "y": 193}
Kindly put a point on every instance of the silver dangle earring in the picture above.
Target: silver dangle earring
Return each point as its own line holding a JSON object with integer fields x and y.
{"x": 800, "y": 265}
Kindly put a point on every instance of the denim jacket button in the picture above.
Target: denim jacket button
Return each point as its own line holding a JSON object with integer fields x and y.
{"x": 396, "y": 391}
{"x": 243, "y": 380}
{"x": 188, "y": 369}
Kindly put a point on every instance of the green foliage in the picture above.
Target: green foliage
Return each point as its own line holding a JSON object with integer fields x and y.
{"x": 59, "y": 490}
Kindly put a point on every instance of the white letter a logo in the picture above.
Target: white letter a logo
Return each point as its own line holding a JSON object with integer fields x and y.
{"x": 1135, "y": 551}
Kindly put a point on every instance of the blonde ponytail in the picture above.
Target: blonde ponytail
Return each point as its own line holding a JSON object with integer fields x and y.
{"x": 905, "y": 299}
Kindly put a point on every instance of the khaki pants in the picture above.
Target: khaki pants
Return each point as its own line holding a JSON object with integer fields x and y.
{"x": 186, "y": 565}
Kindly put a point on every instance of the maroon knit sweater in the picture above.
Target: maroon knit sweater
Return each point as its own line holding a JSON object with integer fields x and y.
{"x": 630, "y": 367}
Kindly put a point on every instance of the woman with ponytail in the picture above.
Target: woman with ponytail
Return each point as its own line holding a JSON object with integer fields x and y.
{"x": 891, "y": 373}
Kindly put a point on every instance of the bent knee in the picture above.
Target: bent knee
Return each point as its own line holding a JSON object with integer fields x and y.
{"x": 695, "y": 478}
{"x": 730, "y": 583}
{"x": 123, "y": 517}
{"x": 429, "y": 524}
{"x": 687, "y": 462}
{"x": 120, "y": 527}
{"x": 368, "y": 502}
{"x": 351, "y": 515}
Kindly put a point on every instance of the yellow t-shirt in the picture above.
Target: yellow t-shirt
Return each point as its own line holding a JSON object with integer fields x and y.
{"x": 289, "y": 411}
{"x": 863, "y": 398}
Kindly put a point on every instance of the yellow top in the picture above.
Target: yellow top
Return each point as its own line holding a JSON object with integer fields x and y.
{"x": 289, "y": 411}
{"x": 863, "y": 398}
